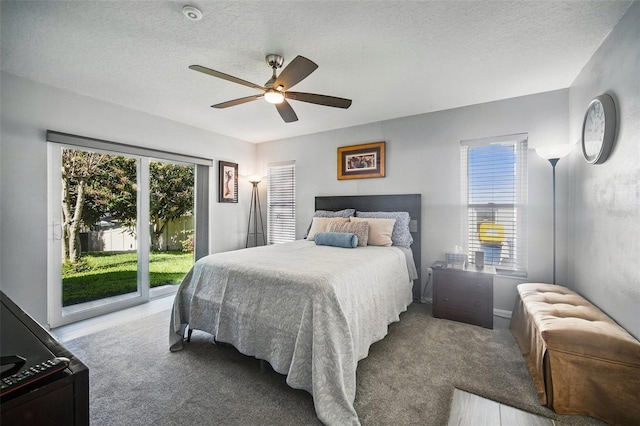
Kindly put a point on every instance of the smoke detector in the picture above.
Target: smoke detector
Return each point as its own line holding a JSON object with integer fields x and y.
{"x": 192, "y": 13}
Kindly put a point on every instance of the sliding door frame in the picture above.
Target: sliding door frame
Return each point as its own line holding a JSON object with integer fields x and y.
{"x": 59, "y": 141}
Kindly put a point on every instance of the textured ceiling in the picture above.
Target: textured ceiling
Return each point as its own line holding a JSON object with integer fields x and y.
{"x": 393, "y": 58}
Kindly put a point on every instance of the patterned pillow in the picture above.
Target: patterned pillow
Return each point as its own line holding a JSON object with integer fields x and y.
{"x": 330, "y": 213}
{"x": 401, "y": 235}
{"x": 360, "y": 229}
{"x": 320, "y": 224}
{"x": 380, "y": 230}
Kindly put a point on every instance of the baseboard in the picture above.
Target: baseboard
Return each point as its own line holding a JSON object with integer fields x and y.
{"x": 502, "y": 313}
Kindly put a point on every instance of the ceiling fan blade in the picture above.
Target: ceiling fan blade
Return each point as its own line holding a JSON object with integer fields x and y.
{"x": 237, "y": 101}
{"x": 225, "y": 76}
{"x": 286, "y": 112}
{"x": 314, "y": 98}
{"x": 294, "y": 73}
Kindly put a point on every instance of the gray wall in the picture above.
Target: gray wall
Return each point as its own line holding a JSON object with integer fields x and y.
{"x": 28, "y": 110}
{"x": 604, "y": 250}
{"x": 423, "y": 156}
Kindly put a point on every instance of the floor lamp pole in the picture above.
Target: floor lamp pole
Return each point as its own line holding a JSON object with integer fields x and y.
{"x": 553, "y": 162}
{"x": 257, "y": 213}
{"x": 553, "y": 153}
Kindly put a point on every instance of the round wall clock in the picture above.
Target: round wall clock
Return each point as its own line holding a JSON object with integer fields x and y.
{"x": 599, "y": 129}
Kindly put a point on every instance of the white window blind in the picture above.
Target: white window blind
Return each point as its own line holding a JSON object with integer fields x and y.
{"x": 494, "y": 192}
{"x": 281, "y": 203}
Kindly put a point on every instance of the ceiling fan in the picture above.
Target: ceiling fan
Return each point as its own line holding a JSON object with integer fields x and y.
{"x": 276, "y": 90}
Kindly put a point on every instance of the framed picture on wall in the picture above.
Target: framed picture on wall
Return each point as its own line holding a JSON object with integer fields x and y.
{"x": 361, "y": 161}
{"x": 227, "y": 182}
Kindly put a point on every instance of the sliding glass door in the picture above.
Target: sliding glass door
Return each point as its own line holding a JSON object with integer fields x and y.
{"x": 172, "y": 225}
{"x": 122, "y": 229}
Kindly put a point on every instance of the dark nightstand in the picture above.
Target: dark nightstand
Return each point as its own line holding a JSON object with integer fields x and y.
{"x": 463, "y": 294}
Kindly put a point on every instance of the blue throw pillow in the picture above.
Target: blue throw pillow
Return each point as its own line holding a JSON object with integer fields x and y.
{"x": 336, "y": 239}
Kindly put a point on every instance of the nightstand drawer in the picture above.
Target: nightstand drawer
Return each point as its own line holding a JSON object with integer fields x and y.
{"x": 472, "y": 302}
{"x": 464, "y": 295}
{"x": 465, "y": 282}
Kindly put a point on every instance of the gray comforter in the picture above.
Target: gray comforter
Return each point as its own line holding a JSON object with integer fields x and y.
{"x": 311, "y": 311}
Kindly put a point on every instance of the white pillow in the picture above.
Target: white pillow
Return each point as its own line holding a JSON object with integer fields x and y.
{"x": 401, "y": 234}
{"x": 320, "y": 224}
{"x": 380, "y": 230}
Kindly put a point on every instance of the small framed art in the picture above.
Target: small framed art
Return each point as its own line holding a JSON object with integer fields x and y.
{"x": 228, "y": 182}
{"x": 361, "y": 161}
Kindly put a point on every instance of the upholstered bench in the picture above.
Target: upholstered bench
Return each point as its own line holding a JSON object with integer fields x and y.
{"x": 580, "y": 360}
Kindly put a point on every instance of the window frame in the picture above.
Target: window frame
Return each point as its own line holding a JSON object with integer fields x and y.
{"x": 511, "y": 205}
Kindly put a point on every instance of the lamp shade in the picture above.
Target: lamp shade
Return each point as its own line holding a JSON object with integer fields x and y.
{"x": 255, "y": 179}
{"x": 550, "y": 152}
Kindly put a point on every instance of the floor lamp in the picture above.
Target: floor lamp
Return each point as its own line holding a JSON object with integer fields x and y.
{"x": 553, "y": 153}
{"x": 257, "y": 213}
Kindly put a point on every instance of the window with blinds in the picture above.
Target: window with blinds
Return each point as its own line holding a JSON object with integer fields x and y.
{"x": 494, "y": 192}
{"x": 281, "y": 203}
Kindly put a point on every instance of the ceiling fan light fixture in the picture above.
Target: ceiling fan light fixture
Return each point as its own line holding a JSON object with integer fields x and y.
{"x": 273, "y": 96}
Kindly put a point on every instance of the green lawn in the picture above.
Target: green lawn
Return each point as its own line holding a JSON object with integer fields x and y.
{"x": 102, "y": 274}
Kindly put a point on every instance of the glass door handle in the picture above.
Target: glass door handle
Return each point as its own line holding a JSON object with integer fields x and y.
{"x": 57, "y": 231}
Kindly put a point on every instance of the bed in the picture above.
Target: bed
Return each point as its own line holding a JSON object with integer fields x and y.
{"x": 312, "y": 311}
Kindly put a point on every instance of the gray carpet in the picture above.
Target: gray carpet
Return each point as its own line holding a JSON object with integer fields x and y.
{"x": 407, "y": 379}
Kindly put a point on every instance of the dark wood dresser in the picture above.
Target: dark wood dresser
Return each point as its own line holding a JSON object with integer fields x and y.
{"x": 463, "y": 294}
{"x": 61, "y": 398}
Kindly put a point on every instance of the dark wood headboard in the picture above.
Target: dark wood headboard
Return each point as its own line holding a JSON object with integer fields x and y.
{"x": 411, "y": 203}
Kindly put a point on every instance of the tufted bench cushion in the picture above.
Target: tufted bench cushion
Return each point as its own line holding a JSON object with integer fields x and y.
{"x": 580, "y": 360}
